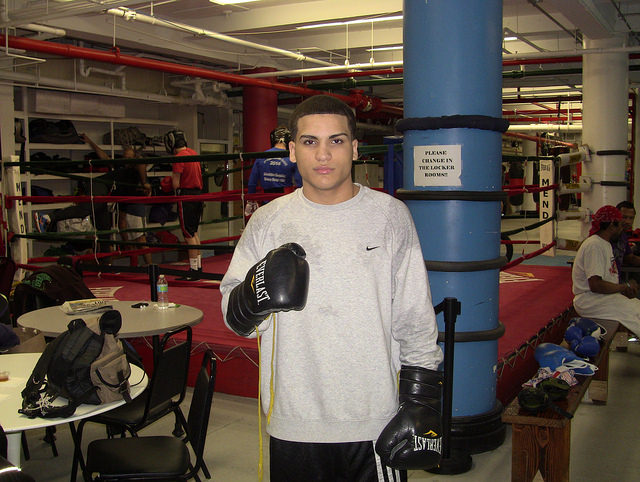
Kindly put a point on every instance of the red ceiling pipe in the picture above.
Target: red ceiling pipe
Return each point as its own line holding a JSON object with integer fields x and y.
{"x": 538, "y": 112}
{"x": 551, "y": 60}
{"x": 544, "y": 120}
{"x": 358, "y": 100}
{"x": 546, "y": 107}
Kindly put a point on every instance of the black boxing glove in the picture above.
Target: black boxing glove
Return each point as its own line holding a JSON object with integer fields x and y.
{"x": 412, "y": 440}
{"x": 278, "y": 282}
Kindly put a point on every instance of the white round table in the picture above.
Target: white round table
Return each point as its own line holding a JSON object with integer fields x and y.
{"x": 20, "y": 366}
{"x": 149, "y": 321}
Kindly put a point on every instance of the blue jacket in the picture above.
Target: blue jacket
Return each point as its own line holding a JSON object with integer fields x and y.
{"x": 272, "y": 173}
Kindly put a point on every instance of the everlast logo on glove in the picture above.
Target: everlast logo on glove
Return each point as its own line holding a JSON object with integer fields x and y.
{"x": 258, "y": 283}
{"x": 278, "y": 282}
{"x": 430, "y": 442}
{"x": 412, "y": 440}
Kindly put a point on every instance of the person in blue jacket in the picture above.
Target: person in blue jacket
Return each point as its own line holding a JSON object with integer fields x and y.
{"x": 275, "y": 174}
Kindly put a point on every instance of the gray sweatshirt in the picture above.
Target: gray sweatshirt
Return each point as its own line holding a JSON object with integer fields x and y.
{"x": 369, "y": 311}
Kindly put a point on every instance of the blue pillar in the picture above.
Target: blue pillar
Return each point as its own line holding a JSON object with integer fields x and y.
{"x": 453, "y": 66}
{"x": 392, "y": 165}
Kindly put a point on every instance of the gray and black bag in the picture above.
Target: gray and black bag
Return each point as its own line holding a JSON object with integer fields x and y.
{"x": 85, "y": 364}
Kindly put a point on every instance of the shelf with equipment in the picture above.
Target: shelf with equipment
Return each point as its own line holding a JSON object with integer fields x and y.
{"x": 33, "y": 109}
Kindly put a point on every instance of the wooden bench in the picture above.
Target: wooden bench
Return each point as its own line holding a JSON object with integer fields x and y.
{"x": 542, "y": 442}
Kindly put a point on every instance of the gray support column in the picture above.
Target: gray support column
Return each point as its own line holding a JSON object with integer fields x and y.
{"x": 605, "y": 79}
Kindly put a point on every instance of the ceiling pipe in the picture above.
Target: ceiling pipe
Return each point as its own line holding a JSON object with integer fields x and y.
{"x": 535, "y": 58}
{"x": 545, "y": 120}
{"x": 118, "y": 72}
{"x": 519, "y": 135}
{"x": 577, "y": 35}
{"x": 357, "y": 99}
{"x": 544, "y": 111}
{"x": 131, "y": 15}
{"x": 555, "y": 98}
{"x": 342, "y": 75}
{"x": 333, "y": 68}
{"x": 569, "y": 53}
{"x": 62, "y": 84}
{"x": 86, "y": 73}
{"x": 34, "y": 27}
{"x": 350, "y": 80}
{"x": 396, "y": 68}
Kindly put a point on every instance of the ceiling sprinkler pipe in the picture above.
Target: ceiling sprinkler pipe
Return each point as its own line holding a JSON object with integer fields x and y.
{"x": 34, "y": 27}
{"x": 520, "y": 135}
{"x": 132, "y": 15}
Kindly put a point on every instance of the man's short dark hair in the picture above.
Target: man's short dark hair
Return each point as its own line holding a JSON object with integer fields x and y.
{"x": 626, "y": 205}
{"x": 322, "y": 104}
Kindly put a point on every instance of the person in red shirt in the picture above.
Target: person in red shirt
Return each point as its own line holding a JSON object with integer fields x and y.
{"x": 186, "y": 179}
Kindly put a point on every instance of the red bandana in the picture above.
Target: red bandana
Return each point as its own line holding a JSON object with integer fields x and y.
{"x": 606, "y": 214}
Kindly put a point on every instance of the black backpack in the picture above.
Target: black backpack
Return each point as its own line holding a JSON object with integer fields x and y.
{"x": 48, "y": 286}
{"x": 85, "y": 364}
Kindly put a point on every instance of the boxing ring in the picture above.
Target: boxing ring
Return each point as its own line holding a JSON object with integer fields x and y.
{"x": 535, "y": 301}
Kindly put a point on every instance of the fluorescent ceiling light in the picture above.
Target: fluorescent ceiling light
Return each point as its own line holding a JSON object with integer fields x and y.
{"x": 380, "y": 49}
{"x": 350, "y": 22}
{"x": 508, "y": 39}
{"x": 230, "y": 2}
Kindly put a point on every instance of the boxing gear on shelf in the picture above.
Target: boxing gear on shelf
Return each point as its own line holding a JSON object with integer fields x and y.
{"x": 412, "y": 440}
{"x": 278, "y": 282}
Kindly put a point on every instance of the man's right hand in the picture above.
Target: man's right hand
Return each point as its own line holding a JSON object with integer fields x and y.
{"x": 278, "y": 282}
{"x": 631, "y": 289}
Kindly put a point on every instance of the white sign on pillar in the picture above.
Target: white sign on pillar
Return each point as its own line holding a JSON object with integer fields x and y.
{"x": 15, "y": 216}
{"x": 547, "y": 205}
{"x": 439, "y": 165}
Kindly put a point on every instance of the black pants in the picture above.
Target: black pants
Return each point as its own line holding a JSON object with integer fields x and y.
{"x": 328, "y": 462}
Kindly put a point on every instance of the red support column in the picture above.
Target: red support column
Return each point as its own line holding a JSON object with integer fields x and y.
{"x": 259, "y": 117}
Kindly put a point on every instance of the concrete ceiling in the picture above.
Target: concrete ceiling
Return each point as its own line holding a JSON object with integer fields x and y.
{"x": 189, "y": 29}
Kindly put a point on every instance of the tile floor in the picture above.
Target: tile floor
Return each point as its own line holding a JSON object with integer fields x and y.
{"x": 605, "y": 440}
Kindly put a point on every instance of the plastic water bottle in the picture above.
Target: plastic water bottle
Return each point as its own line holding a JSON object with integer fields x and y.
{"x": 163, "y": 292}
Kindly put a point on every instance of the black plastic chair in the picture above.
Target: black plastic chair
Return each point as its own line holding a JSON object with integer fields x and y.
{"x": 159, "y": 457}
{"x": 8, "y": 472}
{"x": 11, "y": 473}
{"x": 163, "y": 395}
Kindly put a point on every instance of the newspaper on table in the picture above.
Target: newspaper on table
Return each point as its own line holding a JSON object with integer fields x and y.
{"x": 90, "y": 305}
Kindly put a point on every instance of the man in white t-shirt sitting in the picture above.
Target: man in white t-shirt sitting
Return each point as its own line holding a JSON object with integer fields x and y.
{"x": 596, "y": 287}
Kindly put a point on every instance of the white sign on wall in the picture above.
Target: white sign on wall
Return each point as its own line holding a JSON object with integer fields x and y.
{"x": 547, "y": 205}
{"x": 437, "y": 165}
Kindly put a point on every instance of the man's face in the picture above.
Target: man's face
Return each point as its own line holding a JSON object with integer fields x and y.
{"x": 628, "y": 215}
{"x": 617, "y": 228}
{"x": 324, "y": 151}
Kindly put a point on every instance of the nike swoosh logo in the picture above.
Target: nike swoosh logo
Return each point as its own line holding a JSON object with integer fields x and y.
{"x": 369, "y": 248}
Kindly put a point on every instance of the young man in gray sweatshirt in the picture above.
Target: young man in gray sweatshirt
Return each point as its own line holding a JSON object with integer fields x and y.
{"x": 332, "y": 278}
